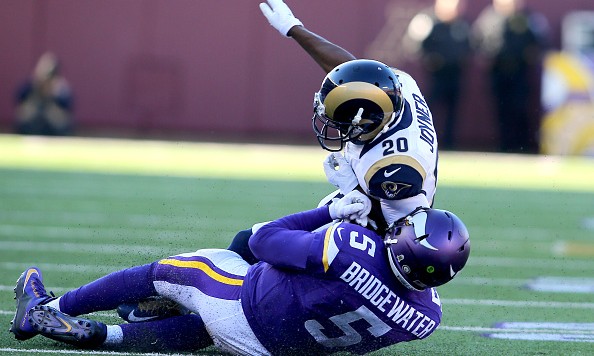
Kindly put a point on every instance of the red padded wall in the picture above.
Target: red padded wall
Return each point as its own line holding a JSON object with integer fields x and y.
{"x": 212, "y": 69}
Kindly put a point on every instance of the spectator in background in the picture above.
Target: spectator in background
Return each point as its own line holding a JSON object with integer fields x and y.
{"x": 440, "y": 36}
{"x": 512, "y": 39}
{"x": 44, "y": 102}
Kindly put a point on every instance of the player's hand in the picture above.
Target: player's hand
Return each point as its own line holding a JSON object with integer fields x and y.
{"x": 339, "y": 173}
{"x": 352, "y": 206}
{"x": 279, "y": 16}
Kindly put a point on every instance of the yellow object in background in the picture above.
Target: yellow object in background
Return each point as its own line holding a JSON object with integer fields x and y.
{"x": 568, "y": 99}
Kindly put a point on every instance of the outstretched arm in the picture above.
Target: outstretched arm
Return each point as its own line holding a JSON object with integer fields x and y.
{"x": 327, "y": 54}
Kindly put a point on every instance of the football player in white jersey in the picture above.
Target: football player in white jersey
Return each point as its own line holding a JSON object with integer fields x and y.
{"x": 376, "y": 115}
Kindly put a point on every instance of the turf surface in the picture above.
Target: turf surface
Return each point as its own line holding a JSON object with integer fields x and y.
{"x": 80, "y": 208}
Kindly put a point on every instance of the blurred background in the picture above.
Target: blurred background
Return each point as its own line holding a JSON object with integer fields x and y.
{"x": 216, "y": 71}
{"x": 112, "y": 75}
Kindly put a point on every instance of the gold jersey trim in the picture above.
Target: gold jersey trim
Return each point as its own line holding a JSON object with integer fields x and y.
{"x": 204, "y": 268}
{"x": 396, "y": 159}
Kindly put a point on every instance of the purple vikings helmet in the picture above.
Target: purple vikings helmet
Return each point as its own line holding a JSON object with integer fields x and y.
{"x": 427, "y": 248}
{"x": 357, "y": 100}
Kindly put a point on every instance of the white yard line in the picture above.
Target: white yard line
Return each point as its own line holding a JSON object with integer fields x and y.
{"x": 518, "y": 303}
{"x": 79, "y": 352}
{"x": 90, "y": 233}
{"x": 482, "y": 281}
{"x": 549, "y": 263}
{"x": 66, "y": 247}
{"x": 101, "y": 314}
{"x": 531, "y": 326}
{"x": 481, "y": 302}
{"x": 502, "y": 282}
{"x": 60, "y": 267}
{"x": 542, "y": 263}
{"x": 577, "y": 330}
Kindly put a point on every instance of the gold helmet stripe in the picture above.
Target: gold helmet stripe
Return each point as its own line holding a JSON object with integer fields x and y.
{"x": 357, "y": 90}
{"x": 396, "y": 159}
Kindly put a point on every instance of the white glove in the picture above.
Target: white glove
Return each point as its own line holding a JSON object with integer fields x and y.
{"x": 279, "y": 16}
{"x": 354, "y": 206}
{"x": 339, "y": 173}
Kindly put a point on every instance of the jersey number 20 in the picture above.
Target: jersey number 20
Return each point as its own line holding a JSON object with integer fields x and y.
{"x": 401, "y": 145}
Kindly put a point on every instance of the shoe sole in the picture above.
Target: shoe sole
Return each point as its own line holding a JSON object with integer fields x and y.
{"x": 56, "y": 325}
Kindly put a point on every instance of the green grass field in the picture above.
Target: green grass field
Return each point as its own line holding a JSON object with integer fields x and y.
{"x": 80, "y": 208}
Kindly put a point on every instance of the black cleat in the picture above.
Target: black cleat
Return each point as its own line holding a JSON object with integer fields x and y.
{"x": 58, "y": 326}
{"x": 152, "y": 308}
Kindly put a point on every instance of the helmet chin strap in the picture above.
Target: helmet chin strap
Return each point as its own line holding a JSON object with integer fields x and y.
{"x": 392, "y": 123}
{"x": 388, "y": 126}
{"x": 358, "y": 117}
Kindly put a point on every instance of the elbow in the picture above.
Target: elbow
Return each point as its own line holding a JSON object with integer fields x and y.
{"x": 255, "y": 245}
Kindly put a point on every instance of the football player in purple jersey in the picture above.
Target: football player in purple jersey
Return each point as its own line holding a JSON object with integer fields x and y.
{"x": 343, "y": 288}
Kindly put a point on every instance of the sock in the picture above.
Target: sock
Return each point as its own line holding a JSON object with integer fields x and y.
{"x": 239, "y": 244}
{"x": 115, "y": 335}
{"x": 106, "y": 293}
{"x": 177, "y": 333}
{"x": 54, "y": 303}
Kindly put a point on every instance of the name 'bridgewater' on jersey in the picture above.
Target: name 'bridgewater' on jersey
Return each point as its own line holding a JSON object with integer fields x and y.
{"x": 347, "y": 298}
{"x": 402, "y": 162}
{"x": 387, "y": 302}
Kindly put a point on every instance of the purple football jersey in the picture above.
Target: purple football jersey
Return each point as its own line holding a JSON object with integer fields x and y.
{"x": 329, "y": 291}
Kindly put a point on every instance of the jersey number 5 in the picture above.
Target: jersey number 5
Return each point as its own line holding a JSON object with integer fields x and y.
{"x": 364, "y": 244}
{"x": 351, "y": 336}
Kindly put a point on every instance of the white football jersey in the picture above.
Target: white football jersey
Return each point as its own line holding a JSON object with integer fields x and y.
{"x": 399, "y": 167}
